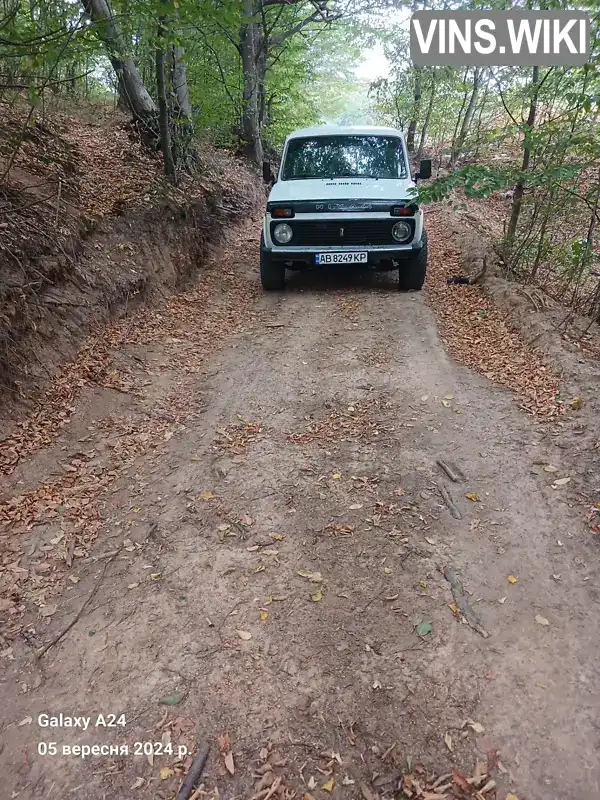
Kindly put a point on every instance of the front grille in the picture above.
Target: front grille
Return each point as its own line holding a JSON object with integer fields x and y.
{"x": 351, "y": 232}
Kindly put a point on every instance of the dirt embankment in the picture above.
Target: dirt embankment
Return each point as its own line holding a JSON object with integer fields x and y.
{"x": 89, "y": 229}
{"x": 516, "y": 336}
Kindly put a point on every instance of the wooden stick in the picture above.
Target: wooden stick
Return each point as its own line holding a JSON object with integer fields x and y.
{"x": 449, "y": 502}
{"x": 65, "y": 630}
{"x": 462, "y": 601}
{"x": 194, "y": 773}
{"x": 448, "y": 470}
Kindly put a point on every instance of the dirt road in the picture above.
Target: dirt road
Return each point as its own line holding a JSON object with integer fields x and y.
{"x": 264, "y": 545}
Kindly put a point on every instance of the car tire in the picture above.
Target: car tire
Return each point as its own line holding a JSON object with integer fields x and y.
{"x": 272, "y": 275}
{"x": 411, "y": 273}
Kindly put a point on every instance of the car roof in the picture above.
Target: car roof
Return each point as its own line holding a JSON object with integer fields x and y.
{"x": 341, "y": 130}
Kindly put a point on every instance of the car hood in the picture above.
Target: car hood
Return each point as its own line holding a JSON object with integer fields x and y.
{"x": 342, "y": 189}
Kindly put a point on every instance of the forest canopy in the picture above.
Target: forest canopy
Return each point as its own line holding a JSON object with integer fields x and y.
{"x": 242, "y": 74}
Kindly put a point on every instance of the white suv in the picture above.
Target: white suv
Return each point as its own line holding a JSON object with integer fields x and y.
{"x": 345, "y": 196}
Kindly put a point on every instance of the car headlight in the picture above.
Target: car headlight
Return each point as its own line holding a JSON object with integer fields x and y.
{"x": 401, "y": 231}
{"x": 283, "y": 233}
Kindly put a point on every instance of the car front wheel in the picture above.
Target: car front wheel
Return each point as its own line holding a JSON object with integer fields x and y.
{"x": 411, "y": 273}
{"x": 272, "y": 275}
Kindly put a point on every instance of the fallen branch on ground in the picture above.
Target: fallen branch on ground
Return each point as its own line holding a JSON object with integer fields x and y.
{"x": 194, "y": 773}
{"x": 462, "y": 601}
{"x": 451, "y": 471}
{"x": 65, "y": 630}
{"x": 449, "y": 502}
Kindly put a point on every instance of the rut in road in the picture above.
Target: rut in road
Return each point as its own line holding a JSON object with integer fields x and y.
{"x": 281, "y": 539}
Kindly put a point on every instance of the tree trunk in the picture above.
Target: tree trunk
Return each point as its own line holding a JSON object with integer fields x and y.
{"x": 466, "y": 122}
{"x": 416, "y": 108}
{"x": 427, "y": 115}
{"x": 163, "y": 110}
{"x": 520, "y": 185}
{"x": 479, "y": 120}
{"x": 459, "y": 118}
{"x": 183, "y": 126}
{"x": 132, "y": 91}
{"x": 251, "y": 45}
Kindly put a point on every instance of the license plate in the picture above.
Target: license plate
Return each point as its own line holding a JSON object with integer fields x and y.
{"x": 341, "y": 258}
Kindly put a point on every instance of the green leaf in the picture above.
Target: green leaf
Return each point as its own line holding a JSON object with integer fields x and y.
{"x": 423, "y": 628}
{"x": 172, "y": 699}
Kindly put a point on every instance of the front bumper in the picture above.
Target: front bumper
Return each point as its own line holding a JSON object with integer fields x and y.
{"x": 379, "y": 256}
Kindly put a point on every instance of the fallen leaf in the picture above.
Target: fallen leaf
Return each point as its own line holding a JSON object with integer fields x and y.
{"x": 133, "y": 585}
{"x": 206, "y": 494}
{"x": 472, "y": 496}
{"x": 502, "y": 600}
{"x": 138, "y": 783}
{"x": 166, "y": 772}
{"x": 550, "y": 468}
{"x": 355, "y": 506}
{"x": 264, "y": 615}
{"x": 314, "y": 577}
{"x": 448, "y": 740}
{"x": 328, "y": 787}
{"x": 253, "y": 548}
{"x": 541, "y": 620}
{"x": 429, "y": 541}
{"x": 316, "y": 597}
{"x": 337, "y": 475}
{"x": 392, "y": 597}
{"x": 477, "y": 727}
{"x": 224, "y": 526}
{"x": 449, "y": 396}
{"x": 387, "y": 570}
{"x": 511, "y": 796}
{"x": 460, "y": 780}
{"x": 260, "y": 568}
{"x": 245, "y": 520}
{"x": 446, "y": 403}
{"x": 312, "y": 784}
{"x": 229, "y": 763}
{"x": 561, "y": 481}
{"x": 223, "y": 742}
{"x": 245, "y": 635}
{"x": 577, "y": 403}
{"x": 423, "y": 628}
{"x": 454, "y": 609}
{"x": 172, "y": 699}
{"x": 512, "y": 579}
{"x": 48, "y": 610}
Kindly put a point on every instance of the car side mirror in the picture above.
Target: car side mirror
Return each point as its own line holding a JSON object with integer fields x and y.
{"x": 267, "y": 172}
{"x": 424, "y": 169}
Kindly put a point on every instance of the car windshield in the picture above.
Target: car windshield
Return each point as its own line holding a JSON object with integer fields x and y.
{"x": 350, "y": 156}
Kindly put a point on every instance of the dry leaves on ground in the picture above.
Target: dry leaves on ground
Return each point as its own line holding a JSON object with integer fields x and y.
{"x": 478, "y": 334}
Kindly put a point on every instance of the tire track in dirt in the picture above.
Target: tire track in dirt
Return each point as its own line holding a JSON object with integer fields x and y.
{"x": 299, "y": 451}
